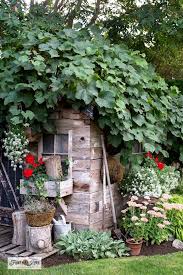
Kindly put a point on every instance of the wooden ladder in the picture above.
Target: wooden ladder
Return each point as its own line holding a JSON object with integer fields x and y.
{"x": 8, "y": 188}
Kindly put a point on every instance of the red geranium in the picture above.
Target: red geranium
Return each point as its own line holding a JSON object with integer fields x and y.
{"x": 149, "y": 155}
{"x": 27, "y": 173}
{"x": 35, "y": 165}
{"x": 30, "y": 159}
{"x": 41, "y": 162}
{"x": 156, "y": 159}
{"x": 161, "y": 165}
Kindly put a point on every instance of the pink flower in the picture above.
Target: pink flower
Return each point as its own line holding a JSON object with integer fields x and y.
{"x": 134, "y": 219}
{"x": 147, "y": 198}
{"x": 158, "y": 209}
{"x": 134, "y": 198}
{"x": 160, "y": 225}
{"x": 166, "y": 222}
{"x": 143, "y": 207}
{"x": 168, "y": 206}
{"x": 151, "y": 212}
{"x": 131, "y": 203}
{"x": 144, "y": 219}
{"x": 142, "y": 215}
{"x": 166, "y": 197}
{"x": 139, "y": 205}
{"x": 145, "y": 202}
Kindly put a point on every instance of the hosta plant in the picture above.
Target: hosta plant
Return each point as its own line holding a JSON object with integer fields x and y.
{"x": 88, "y": 244}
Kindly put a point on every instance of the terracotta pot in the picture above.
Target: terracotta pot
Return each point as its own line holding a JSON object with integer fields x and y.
{"x": 39, "y": 219}
{"x": 135, "y": 247}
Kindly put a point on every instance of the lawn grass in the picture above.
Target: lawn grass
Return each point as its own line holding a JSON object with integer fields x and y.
{"x": 169, "y": 264}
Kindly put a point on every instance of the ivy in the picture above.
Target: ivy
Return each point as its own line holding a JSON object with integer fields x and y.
{"x": 133, "y": 102}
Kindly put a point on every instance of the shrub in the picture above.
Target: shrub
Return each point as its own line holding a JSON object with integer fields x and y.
{"x": 91, "y": 245}
{"x": 152, "y": 179}
{"x": 176, "y": 217}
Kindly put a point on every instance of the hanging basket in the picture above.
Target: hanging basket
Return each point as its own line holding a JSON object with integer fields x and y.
{"x": 39, "y": 219}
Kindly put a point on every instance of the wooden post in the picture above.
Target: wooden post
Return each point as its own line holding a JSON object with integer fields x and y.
{"x": 19, "y": 225}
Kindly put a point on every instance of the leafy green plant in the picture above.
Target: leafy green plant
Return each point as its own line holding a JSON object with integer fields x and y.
{"x": 38, "y": 68}
{"x": 88, "y": 244}
{"x": 153, "y": 178}
{"x": 176, "y": 217}
{"x": 145, "y": 220}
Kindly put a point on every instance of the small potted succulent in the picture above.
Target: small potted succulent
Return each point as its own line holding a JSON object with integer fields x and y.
{"x": 38, "y": 211}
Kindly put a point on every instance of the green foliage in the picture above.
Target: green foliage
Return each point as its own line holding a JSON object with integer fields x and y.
{"x": 88, "y": 244}
{"x": 176, "y": 218}
{"x": 40, "y": 67}
{"x": 149, "y": 180}
{"x": 143, "y": 219}
{"x": 40, "y": 64}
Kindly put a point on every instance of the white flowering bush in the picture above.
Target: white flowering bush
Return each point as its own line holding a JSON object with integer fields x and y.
{"x": 15, "y": 145}
{"x": 150, "y": 181}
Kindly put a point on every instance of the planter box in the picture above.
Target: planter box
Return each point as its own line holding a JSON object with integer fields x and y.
{"x": 53, "y": 188}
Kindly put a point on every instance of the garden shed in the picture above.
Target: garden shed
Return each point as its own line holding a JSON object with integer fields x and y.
{"x": 78, "y": 138}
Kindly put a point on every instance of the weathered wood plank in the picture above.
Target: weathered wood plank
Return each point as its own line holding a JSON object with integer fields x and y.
{"x": 80, "y": 165}
{"x": 96, "y": 153}
{"x": 5, "y": 231}
{"x": 96, "y": 164}
{"x": 81, "y": 142}
{"x": 45, "y": 255}
{"x": 4, "y": 243}
{"x": 16, "y": 250}
{"x": 81, "y": 154}
{"x": 26, "y": 254}
{"x": 7, "y": 247}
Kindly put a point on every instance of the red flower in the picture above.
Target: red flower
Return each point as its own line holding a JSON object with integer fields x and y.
{"x": 27, "y": 173}
{"x": 156, "y": 160}
{"x": 41, "y": 162}
{"x": 35, "y": 165}
{"x": 30, "y": 159}
{"x": 161, "y": 165}
{"x": 149, "y": 155}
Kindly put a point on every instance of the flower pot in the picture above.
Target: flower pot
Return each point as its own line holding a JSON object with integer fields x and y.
{"x": 135, "y": 247}
{"x": 39, "y": 219}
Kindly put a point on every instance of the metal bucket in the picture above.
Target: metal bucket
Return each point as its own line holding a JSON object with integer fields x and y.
{"x": 61, "y": 228}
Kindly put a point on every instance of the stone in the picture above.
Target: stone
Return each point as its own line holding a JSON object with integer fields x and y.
{"x": 177, "y": 244}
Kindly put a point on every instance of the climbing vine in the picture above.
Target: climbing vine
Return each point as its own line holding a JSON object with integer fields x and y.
{"x": 133, "y": 102}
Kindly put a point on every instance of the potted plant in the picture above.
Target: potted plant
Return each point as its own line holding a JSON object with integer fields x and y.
{"x": 38, "y": 211}
{"x": 144, "y": 221}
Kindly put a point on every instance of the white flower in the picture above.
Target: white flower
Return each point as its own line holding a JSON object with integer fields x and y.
{"x": 134, "y": 218}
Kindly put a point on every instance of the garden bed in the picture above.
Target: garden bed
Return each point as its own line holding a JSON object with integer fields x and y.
{"x": 150, "y": 250}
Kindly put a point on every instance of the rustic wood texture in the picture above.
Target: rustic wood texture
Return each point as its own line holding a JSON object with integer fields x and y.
{"x": 84, "y": 206}
{"x": 19, "y": 225}
{"x": 53, "y": 166}
{"x": 53, "y": 188}
{"x": 7, "y": 249}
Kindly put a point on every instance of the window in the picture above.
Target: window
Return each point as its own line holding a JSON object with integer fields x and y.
{"x": 55, "y": 144}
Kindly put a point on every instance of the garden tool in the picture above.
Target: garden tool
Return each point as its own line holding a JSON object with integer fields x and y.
{"x": 116, "y": 232}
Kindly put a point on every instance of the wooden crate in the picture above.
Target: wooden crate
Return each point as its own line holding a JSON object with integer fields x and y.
{"x": 53, "y": 188}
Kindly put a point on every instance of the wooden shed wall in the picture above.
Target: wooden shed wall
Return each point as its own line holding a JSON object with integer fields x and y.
{"x": 85, "y": 204}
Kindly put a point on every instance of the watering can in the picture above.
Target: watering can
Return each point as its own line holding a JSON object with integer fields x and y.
{"x": 61, "y": 227}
